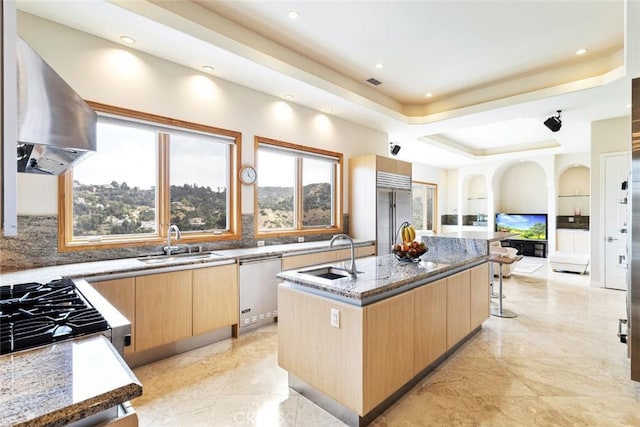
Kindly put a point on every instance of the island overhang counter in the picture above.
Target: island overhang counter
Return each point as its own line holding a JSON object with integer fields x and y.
{"x": 356, "y": 345}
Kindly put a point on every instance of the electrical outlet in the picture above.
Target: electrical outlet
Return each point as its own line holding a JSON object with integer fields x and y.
{"x": 335, "y": 318}
{"x": 260, "y": 243}
{"x": 300, "y": 239}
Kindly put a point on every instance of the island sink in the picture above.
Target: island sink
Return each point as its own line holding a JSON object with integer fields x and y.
{"x": 331, "y": 273}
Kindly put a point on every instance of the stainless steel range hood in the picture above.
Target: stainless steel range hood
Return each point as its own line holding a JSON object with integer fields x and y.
{"x": 56, "y": 128}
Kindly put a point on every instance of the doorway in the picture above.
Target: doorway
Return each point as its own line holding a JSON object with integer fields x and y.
{"x": 616, "y": 172}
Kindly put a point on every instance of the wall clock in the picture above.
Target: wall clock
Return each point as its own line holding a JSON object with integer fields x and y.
{"x": 248, "y": 175}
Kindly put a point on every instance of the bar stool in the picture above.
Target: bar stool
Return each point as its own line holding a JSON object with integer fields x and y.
{"x": 492, "y": 277}
{"x": 501, "y": 260}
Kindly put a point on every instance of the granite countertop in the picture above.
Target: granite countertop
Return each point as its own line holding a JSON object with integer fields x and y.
{"x": 289, "y": 249}
{"x": 69, "y": 380}
{"x": 489, "y": 236}
{"x": 380, "y": 277}
{"x": 63, "y": 382}
{"x": 135, "y": 265}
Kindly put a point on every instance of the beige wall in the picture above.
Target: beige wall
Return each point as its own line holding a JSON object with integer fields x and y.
{"x": 523, "y": 189}
{"x": 607, "y": 136}
{"x": 109, "y": 73}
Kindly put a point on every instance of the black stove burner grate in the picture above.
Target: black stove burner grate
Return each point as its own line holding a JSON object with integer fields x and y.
{"x": 33, "y": 314}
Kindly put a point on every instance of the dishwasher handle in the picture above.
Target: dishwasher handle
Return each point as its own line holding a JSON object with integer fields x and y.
{"x": 258, "y": 260}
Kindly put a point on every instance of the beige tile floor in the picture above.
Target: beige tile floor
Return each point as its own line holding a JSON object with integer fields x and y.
{"x": 558, "y": 363}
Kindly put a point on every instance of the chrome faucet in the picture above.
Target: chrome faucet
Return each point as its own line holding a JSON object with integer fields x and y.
{"x": 169, "y": 249}
{"x": 352, "y": 269}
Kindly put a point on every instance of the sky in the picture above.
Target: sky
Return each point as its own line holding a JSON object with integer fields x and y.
{"x": 128, "y": 155}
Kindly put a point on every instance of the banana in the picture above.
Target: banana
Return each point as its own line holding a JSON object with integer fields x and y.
{"x": 408, "y": 234}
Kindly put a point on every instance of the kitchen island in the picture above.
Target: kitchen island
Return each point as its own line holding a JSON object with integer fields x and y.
{"x": 356, "y": 345}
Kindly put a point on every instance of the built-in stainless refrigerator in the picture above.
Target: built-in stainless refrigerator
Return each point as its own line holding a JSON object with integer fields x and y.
{"x": 393, "y": 208}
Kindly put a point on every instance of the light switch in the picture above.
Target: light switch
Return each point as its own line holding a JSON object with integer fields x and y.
{"x": 335, "y": 318}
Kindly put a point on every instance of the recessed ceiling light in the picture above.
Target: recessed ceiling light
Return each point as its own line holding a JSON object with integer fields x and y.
{"x": 288, "y": 96}
{"x": 208, "y": 68}
{"x": 293, "y": 14}
{"x": 428, "y": 95}
{"x": 127, "y": 40}
{"x": 581, "y": 51}
{"x": 329, "y": 110}
{"x": 378, "y": 66}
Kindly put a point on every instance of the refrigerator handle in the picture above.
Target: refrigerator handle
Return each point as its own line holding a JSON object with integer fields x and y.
{"x": 392, "y": 217}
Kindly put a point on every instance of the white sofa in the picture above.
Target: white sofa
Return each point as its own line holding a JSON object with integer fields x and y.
{"x": 496, "y": 249}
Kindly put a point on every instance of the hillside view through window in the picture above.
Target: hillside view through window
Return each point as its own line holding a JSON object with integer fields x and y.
{"x": 116, "y": 191}
{"x": 296, "y": 189}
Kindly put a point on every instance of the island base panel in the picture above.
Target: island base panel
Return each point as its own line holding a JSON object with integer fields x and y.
{"x": 353, "y": 419}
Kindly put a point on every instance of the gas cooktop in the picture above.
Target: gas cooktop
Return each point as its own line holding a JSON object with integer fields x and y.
{"x": 33, "y": 314}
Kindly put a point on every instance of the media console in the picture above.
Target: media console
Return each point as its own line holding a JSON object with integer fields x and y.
{"x": 537, "y": 248}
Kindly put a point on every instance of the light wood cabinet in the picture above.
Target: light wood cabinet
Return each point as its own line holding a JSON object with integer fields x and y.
{"x": 387, "y": 164}
{"x": 304, "y": 260}
{"x": 325, "y": 257}
{"x": 215, "y": 298}
{"x": 163, "y": 308}
{"x": 121, "y": 294}
{"x": 329, "y": 358}
{"x": 360, "y": 252}
{"x": 344, "y": 254}
{"x": 458, "y": 303}
{"x": 365, "y": 251}
{"x": 378, "y": 348}
{"x": 480, "y": 300}
{"x": 388, "y": 347}
{"x": 430, "y": 324}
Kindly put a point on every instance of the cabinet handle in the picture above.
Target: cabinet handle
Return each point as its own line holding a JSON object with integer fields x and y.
{"x": 610, "y": 239}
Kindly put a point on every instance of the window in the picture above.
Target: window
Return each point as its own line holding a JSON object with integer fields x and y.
{"x": 150, "y": 172}
{"x": 425, "y": 206}
{"x": 298, "y": 190}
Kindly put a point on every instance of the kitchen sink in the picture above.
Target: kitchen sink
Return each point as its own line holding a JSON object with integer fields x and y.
{"x": 331, "y": 273}
{"x": 164, "y": 259}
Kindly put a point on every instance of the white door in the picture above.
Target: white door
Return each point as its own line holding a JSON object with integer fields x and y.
{"x": 615, "y": 221}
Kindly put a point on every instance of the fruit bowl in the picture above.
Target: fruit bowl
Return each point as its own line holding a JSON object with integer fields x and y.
{"x": 409, "y": 256}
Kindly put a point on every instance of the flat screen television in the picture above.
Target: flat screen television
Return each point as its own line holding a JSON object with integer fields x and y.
{"x": 527, "y": 226}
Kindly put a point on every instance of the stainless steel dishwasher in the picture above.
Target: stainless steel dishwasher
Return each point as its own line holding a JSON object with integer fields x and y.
{"x": 259, "y": 291}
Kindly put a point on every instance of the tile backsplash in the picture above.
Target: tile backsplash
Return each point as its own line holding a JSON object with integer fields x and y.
{"x": 36, "y": 244}
{"x": 577, "y": 222}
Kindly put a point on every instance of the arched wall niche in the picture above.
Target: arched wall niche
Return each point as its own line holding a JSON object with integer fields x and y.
{"x": 522, "y": 188}
{"x": 574, "y": 191}
{"x": 474, "y": 199}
